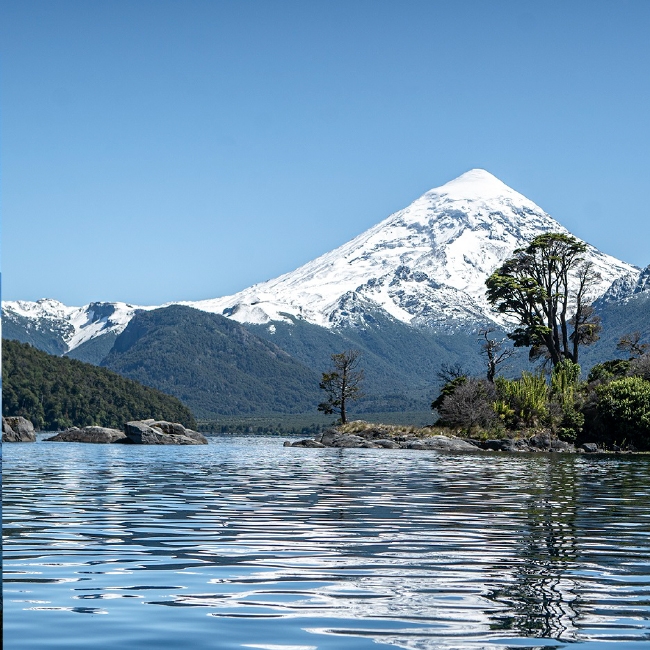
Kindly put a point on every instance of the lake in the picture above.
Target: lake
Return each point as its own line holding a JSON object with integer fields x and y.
{"x": 244, "y": 543}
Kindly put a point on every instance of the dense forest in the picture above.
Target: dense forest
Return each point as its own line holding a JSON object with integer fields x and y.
{"x": 215, "y": 365}
{"x": 57, "y": 392}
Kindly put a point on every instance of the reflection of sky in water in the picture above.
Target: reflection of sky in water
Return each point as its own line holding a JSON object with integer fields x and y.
{"x": 245, "y": 543}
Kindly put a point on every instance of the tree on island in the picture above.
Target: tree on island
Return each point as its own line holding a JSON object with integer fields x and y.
{"x": 546, "y": 286}
{"x": 342, "y": 383}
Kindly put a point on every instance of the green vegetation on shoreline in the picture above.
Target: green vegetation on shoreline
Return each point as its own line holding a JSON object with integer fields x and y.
{"x": 544, "y": 287}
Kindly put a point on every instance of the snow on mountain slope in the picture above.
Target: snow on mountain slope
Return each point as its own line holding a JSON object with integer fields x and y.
{"x": 74, "y": 325}
{"x": 628, "y": 286}
{"x": 424, "y": 265}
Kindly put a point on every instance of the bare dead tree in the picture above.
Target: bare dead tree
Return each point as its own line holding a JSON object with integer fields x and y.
{"x": 342, "y": 384}
{"x": 631, "y": 343}
{"x": 495, "y": 351}
{"x": 448, "y": 372}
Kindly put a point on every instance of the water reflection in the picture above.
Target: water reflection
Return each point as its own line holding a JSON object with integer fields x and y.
{"x": 541, "y": 594}
{"x": 323, "y": 548}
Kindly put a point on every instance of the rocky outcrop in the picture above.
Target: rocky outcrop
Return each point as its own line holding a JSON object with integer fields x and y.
{"x": 540, "y": 442}
{"x": 384, "y": 437}
{"x": 445, "y": 443}
{"x": 378, "y": 438}
{"x": 144, "y": 432}
{"x": 17, "y": 429}
{"x": 153, "y": 432}
{"x": 98, "y": 435}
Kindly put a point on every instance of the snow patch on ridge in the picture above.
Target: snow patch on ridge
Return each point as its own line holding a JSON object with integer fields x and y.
{"x": 76, "y": 324}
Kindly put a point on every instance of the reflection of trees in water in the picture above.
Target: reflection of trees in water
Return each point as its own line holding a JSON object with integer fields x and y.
{"x": 541, "y": 594}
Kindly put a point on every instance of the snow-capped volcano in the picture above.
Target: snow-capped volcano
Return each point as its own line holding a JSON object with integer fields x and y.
{"x": 424, "y": 265}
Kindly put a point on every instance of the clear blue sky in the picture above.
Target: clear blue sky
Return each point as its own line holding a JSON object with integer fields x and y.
{"x": 156, "y": 151}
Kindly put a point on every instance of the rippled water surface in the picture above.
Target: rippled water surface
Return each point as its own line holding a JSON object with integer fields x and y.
{"x": 247, "y": 544}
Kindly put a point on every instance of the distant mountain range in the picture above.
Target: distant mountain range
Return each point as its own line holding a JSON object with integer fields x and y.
{"x": 409, "y": 292}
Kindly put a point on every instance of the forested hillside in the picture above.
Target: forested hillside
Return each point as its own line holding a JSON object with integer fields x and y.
{"x": 400, "y": 362}
{"x": 215, "y": 365}
{"x": 57, "y": 392}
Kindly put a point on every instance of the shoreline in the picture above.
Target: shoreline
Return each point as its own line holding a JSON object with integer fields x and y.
{"x": 364, "y": 435}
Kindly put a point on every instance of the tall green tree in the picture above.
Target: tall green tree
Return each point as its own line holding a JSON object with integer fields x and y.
{"x": 342, "y": 383}
{"x": 546, "y": 286}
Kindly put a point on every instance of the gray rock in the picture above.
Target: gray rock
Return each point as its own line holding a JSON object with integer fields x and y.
{"x": 176, "y": 429}
{"x": 327, "y": 437}
{"x": 195, "y": 435}
{"x": 376, "y": 439}
{"x": 563, "y": 446}
{"x": 17, "y": 429}
{"x": 168, "y": 427}
{"x": 413, "y": 445}
{"x": 515, "y": 444}
{"x": 143, "y": 434}
{"x": 590, "y": 447}
{"x": 305, "y": 443}
{"x": 545, "y": 442}
{"x": 540, "y": 441}
{"x": 98, "y": 435}
{"x": 444, "y": 443}
{"x": 374, "y": 434}
{"x": 386, "y": 444}
{"x": 404, "y": 441}
{"x": 491, "y": 445}
{"x": 506, "y": 444}
{"x": 347, "y": 440}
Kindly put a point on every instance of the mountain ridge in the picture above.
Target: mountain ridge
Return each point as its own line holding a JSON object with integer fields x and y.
{"x": 424, "y": 266}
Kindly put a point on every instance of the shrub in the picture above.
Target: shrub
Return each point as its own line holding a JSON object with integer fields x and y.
{"x": 564, "y": 381}
{"x": 571, "y": 424}
{"x": 624, "y": 408}
{"x": 469, "y": 405}
{"x": 566, "y": 418}
{"x": 446, "y": 390}
{"x": 609, "y": 370}
{"x": 526, "y": 397}
{"x": 640, "y": 367}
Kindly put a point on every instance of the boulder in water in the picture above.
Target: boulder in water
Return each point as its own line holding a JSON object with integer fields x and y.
{"x": 17, "y": 429}
{"x": 97, "y": 435}
{"x": 159, "y": 432}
